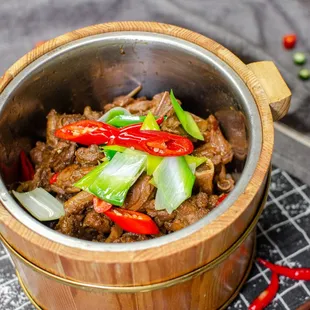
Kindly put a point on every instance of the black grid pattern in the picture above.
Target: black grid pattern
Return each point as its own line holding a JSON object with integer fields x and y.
{"x": 283, "y": 237}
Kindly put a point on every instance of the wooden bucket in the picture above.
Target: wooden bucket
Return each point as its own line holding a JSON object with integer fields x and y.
{"x": 204, "y": 267}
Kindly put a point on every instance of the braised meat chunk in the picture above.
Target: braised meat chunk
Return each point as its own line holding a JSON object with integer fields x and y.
{"x": 127, "y": 171}
{"x": 233, "y": 124}
{"x": 139, "y": 193}
{"x": 189, "y": 212}
{"x": 89, "y": 156}
{"x": 217, "y": 148}
{"x": 67, "y": 177}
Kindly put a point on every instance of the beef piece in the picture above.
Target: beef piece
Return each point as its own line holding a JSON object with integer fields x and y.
{"x": 37, "y": 152}
{"x": 200, "y": 200}
{"x": 123, "y": 101}
{"x": 51, "y": 127}
{"x": 116, "y": 233}
{"x": 131, "y": 237}
{"x": 70, "y": 225}
{"x": 41, "y": 156}
{"x": 204, "y": 177}
{"x": 67, "y": 177}
{"x": 164, "y": 106}
{"x": 216, "y": 147}
{"x": 97, "y": 221}
{"x": 78, "y": 203}
{"x": 160, "y": 216}
{"x": 46, "y": 159}
{"x": 202, "y": 124}
{"x": 173, "y": 125}
{"x": 189, "y": 212}
{"x": 139, "y": 193}
{"x": 212, "y": 202}
{"x": 88, "y": 156}
{"x": 41, "y": 179}
{"x": 233, "y": 125}
{"x": 64, "y": 197}
{"x": 160, "y": 105}
{"x": 92, "y": 115}
{"x": 56, "y": 121}
{"x": 63, "y": 155}
{"x": 140, "y": 107}
{"x": 224, "y": 181}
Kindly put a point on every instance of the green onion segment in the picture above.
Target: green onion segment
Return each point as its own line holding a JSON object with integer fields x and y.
{"x": 150, "y": 123}
{"x": 125, "y": 120}
{"x": 118, "y": 176}
{"x": 152, "y": 160}
{"x": 174, "y": 180}
{"x": 111, "y": 150}
{"x": 41, "y": 204}
{"x": 90, "y": 177}
{"x": 185, "y": 119}
{"x": 190, "y": 159}
{"x": 112, "y": 113}
{"x": 304, "y": 74}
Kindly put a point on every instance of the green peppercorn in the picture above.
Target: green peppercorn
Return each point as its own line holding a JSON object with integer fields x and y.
{"x": 299, "y": 58}
{"x": 304, "y": 74}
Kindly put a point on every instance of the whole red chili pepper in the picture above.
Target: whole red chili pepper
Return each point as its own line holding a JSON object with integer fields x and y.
{"x": 27, "y": 171}
{"x": 267, "y": 295}
{"x": 153, "y": 142}
{"x": 292, "y": 273}
{"x": 54, "y": 177}
{"x": 289, "y": 41}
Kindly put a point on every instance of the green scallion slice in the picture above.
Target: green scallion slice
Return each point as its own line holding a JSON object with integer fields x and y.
{"x": 304, "y": 74}
{"x": 299, "y": 58}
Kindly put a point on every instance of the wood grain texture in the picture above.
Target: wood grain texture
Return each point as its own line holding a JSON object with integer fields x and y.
{"x": 183, "y": 296}
{"x": 275, "y": 87}
{"x": 155, "y": 264}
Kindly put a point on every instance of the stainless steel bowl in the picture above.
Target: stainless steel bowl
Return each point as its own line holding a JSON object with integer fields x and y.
{"x": 92, "y": 71}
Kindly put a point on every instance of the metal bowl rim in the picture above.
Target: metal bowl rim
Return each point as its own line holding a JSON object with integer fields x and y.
{"x": 251, "y": 111}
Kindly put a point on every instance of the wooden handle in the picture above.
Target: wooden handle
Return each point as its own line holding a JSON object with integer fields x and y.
{"x": 275, "y": 87}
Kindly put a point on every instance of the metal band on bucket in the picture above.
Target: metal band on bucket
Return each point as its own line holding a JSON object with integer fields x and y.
{"x": 223, "y": 307}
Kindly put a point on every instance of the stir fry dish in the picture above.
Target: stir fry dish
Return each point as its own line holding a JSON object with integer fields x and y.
{"x": 137, "y": 170}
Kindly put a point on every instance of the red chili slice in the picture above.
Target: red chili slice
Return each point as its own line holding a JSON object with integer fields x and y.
{"x": 221, "y": 198}
{"x": 132, "y": 221}
{"x": 87, "y": 132}
{"x": 101, "y": 206}
{"x": 54, "y": 177}
{"x": 157, "y": 143}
